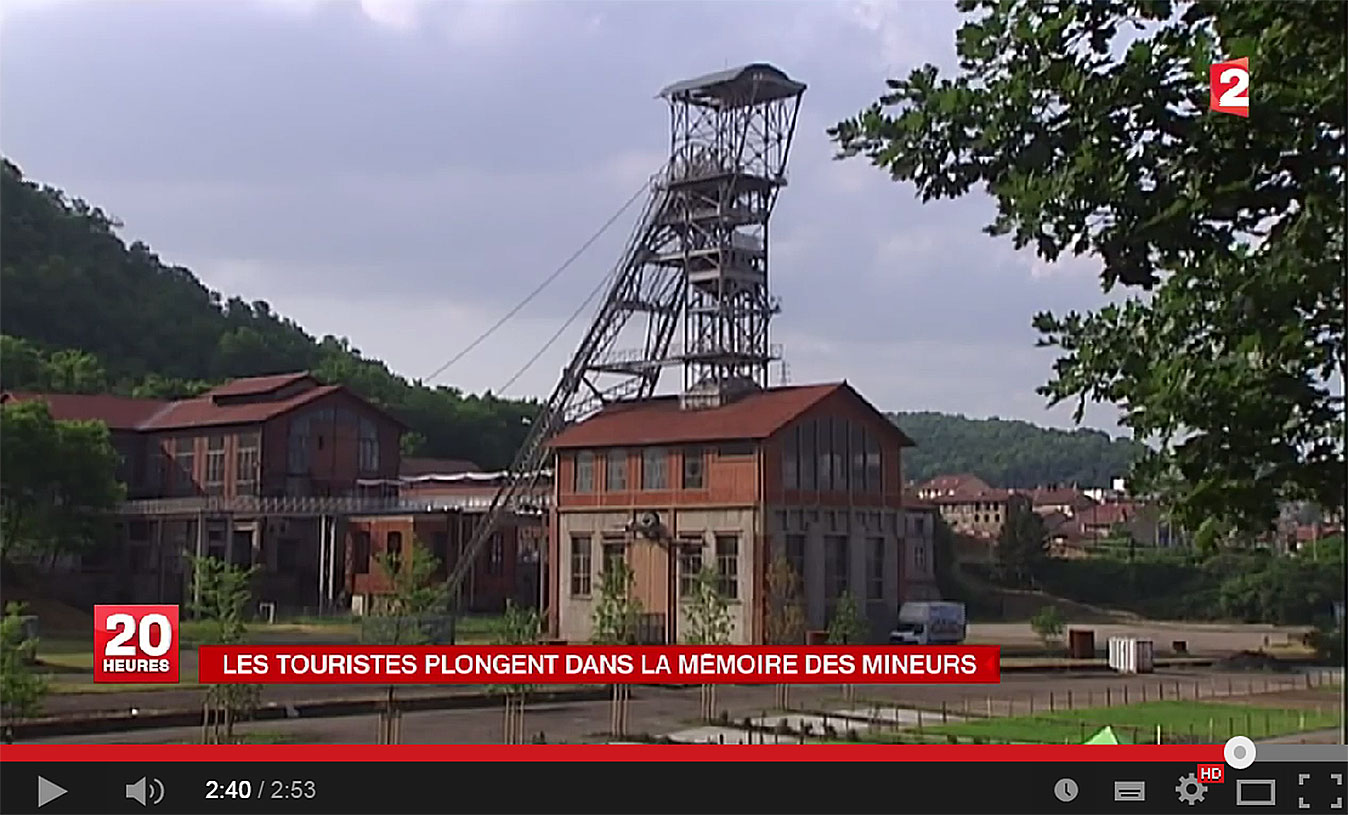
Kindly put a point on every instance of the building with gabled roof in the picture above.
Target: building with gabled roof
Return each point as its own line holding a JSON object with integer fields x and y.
{"x": 812, "y": 474}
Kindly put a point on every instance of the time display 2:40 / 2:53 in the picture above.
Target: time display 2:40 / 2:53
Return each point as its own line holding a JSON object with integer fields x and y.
{"x": 269, "y": 789}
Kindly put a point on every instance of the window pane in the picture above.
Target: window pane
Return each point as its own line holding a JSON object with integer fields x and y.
{"x": 823, "y": 448}
{"x": 874, "y": 473}
{"x": 791, "y": 459}
{"x": 693, "y": 469}
{"x": 877, "y": 568}
{"x": 727, "y": 565}
{"x": 840, "y": 427}
{"x": 807, "y": 468}
{"x": 580, "y": 565}
{"x": 858, "y": 457}
{"x": 690, "y": 565}
{"x": 654, "y": 468}
{"x": 617, "y": 470}
{"x": 795, "y": 555}
{"x": 584, "y": 475}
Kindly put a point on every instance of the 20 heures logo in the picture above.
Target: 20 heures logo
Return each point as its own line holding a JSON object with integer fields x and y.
{"x": 1229, "y": 87}
{"x": 136, "y": 644}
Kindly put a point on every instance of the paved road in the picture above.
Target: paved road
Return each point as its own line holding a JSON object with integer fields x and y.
{"x": 661, "y": 710}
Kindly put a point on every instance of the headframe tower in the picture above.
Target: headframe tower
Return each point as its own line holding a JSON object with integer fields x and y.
{"x": 697, "y": 259}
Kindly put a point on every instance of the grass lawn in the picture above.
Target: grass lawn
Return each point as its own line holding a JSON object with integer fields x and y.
{"x": 1179, "y": 720}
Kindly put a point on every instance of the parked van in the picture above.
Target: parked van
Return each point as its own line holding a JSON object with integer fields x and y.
{"x": 931, "y": 623}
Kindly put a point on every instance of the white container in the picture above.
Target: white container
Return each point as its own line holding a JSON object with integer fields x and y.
{"x": 1131, "y": 656}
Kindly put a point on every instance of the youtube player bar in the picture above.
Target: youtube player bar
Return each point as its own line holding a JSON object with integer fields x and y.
{"x": 598, "y": 779}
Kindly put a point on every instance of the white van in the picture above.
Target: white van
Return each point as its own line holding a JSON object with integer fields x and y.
{"x": 932, "y": 623}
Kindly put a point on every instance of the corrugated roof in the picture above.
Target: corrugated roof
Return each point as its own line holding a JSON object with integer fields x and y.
{"x": 205, "y": 412}
{"x": 258, "y": 384}
{"x": 117, "y": 412}
{"x": 662, "y": 421}
{"x": 767, "y": 81}
{"x": 414, "y": 465}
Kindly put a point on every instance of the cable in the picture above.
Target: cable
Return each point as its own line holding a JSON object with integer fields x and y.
{"x": 557, "y": 273}
{"x": 603, "y": 284}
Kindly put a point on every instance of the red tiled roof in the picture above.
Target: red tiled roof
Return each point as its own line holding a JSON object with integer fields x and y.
{"x": 436, "y": 466}
{"x": 1106, "y": 514}
{"x": 203, "y": 411}
{"x": 117, "y": 412}
{"x": 661, "y": 420}
{"x": 969, "y": 496}
{"x": 253, "y": 385}
{"x": 1061, "y": 496}
{"x": 911, "y": 501}
{"x": 950, "y": 484}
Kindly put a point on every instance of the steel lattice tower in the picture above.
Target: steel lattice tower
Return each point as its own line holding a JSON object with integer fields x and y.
{"x": 730, "y": 134}
{"x": 696, "y": 257}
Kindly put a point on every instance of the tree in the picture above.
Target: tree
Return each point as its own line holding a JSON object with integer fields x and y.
{"x": 616, "y": 611}
{"x": 1088, "y": 124}
{"x": 21, "y": 688}
{"x": 708, "y": 612}
{"x": 1047, "y": 624}
{"x": 518, "y": 626}
{"x": 57, "y": 482}
{"x": 785, "y": 621}
{"x": 222, "y": 598}
{"x": 1022, "y": 545}
{"x": 413, "y": 607}
{"x": 847, "y": 626}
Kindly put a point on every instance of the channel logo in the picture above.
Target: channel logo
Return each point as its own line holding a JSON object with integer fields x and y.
{"x": 136, "y": 644}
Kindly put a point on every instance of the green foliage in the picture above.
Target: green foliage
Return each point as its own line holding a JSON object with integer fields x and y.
{"x": 57, "y": 482}
{"x": 1011, "y": 453}
{"x": 847, "y": 626}
{"x": 616, "y": 611}
{"x": 1088, "y": 124}
{"x": 518, "y": 626}
{"x": 708, "y": 611}
{"x": 414, "y": 595}
{"x": 1047, "y": 624}
{"x": 21, "y": 688}
{"x": 1021, "y": 546}
{"x": 1248, "y": 585}
{"x": 62, "y": 256}
{"x": 221, "y": 597}
{"x": 785, "y": 621}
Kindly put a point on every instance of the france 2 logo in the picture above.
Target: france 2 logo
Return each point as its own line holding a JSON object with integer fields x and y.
{"x": 1229, "y": 86}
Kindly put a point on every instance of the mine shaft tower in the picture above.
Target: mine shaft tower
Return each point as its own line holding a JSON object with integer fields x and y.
{"x": 696, "y": 260}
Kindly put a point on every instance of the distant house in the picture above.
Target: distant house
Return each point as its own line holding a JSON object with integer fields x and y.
{"x": 1065, "y": 500}
{"x": 970, "y": 506}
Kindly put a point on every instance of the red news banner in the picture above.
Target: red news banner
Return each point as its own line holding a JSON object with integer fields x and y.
{"x": 597, "y": 664}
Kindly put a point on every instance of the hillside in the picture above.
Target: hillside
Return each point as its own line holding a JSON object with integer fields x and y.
{"x": 1011, "y": 453}
{"x": 85, "y": 312}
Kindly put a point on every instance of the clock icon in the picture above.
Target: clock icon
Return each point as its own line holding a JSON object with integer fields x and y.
{"x": 1066, "y": 790}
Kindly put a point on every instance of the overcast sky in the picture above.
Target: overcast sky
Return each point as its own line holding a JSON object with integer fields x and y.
{"x": 402, "y": 173}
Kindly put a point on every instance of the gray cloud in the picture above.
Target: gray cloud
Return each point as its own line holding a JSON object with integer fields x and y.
{"x": 403, "y": 172}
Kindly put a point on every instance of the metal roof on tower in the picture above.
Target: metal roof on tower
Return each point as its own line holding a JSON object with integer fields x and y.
{"x": 756, "y": 82}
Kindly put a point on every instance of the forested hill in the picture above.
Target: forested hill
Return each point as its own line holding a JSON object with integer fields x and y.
{"x": 1011, "y": 453}
{"x": 84, "y": 312}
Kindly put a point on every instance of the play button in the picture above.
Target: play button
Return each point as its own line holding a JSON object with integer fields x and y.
{"x": 48, "y": 791}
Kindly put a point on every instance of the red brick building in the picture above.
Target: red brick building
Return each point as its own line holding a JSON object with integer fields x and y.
{"x": 259, "y": 471}
{"x": 812, "y": 472}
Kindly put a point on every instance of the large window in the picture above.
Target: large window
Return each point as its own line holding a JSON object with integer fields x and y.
{"x": 615, "y": 553}
{"x": 877, "y": 569}
{"x": 584, "y": 472}
{"x": 368, "y": 446}
{"x": 655, "y": 468}
{"x": 824, "y": 454}
{"x": 297, "y": 458}
{"x": 616, "y": 476}
{"x": 807, "y": 468}
{"x": 360, "y": 557}
{"x": 394, "y": 548}
{"x": 728, "y": 565}
{"x": 580, "y": 565}
{"x": 215, "y": 465}
{"x": 496, "y": 556}
{"x": 857, "y": 456}
{"x": 795, "y": 555}
{"x": 694, "y": 475}
{"x": 690, "y": 564}
{"x": 874, "y": 470}
{"x": 791, "y": 459}
{"x": 246, "y": 460}
{"x": 184, "y": 464}
{"x": 837, "y": 565}
{"x": 839, "y": 454}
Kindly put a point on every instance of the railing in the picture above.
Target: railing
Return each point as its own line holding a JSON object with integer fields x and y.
{"x": 320, "y": 505}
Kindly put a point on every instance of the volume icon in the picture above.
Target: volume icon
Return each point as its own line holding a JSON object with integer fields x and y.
{"x": 146, "y": 791}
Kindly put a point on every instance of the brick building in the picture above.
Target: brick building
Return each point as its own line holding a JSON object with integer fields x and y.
{"x": 970, "y": 506}
{"x": 812, "y": 472}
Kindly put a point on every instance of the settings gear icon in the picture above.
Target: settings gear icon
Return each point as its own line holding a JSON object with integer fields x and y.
{"x": 1189, "y": 790}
